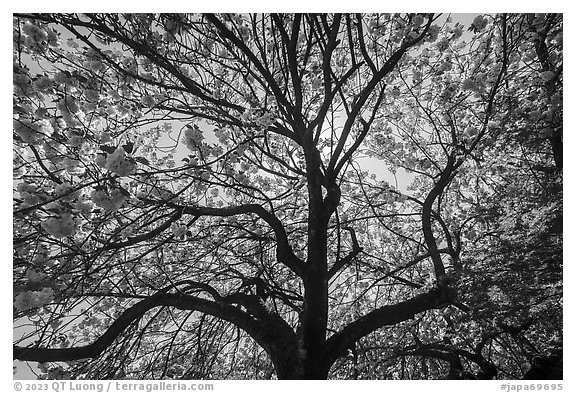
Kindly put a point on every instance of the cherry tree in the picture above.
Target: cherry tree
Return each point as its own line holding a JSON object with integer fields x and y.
{"x": 216, "y": 196}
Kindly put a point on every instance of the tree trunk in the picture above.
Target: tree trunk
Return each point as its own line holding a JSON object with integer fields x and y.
{"x": 290, "y": 362}
{"x": 294, "y": 369}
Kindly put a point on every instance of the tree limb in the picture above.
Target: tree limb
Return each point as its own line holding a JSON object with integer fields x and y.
{"x": 284, "y": 252}
{"x": 182, "y": 302}
{"x": 386, "y": 316}
{"x": 265, "y": 331}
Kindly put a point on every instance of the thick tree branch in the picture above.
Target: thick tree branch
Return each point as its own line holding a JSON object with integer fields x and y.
{"x": 144, "y": 236}
{"x": 182, "y": 302}
{"x": 452, "y": 355}
{"x": 429, "y": 237}
{"x": 339, "y": 264}
{"x": 284, "y": 252}
{"x": 362, "y": 44}
{"x": 386, "y": 316}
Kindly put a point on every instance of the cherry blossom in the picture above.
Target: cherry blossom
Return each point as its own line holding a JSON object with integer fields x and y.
{"x": 59, "y": 227}
{"x": 119, "y": 163}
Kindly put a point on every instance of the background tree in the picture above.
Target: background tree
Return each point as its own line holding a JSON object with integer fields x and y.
{"x": 211, "y": 196}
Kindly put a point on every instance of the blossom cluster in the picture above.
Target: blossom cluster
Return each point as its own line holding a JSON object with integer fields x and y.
{"x": 35, "y": 276}
{"x": 470, "y": 132}
{"x": 38, "y": 39}
{"x": 126, "y": 232}
{"x": 222, "y": 135}
{"x": 119, "y": 163}
{"x": 32, "y": 133}
{"x": 60, "y": 227}
{"x": 33, "y": 299}
{"x": 43, "y": 84}
{"x": 110, "y": 201}
{"x": 192, "y": 137}
{"x": 178, "y": 230}
{"x": 479, "y": 23}
{"x": 547, "y": 76}
{"x": 254, "y": 116}
{"x": 65, "y": 191}
{"x": 28, "y": 194}
{"x": 73, "y": 166}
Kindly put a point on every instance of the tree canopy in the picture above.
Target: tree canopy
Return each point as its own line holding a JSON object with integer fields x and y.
{"x": 302, "y": 196}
